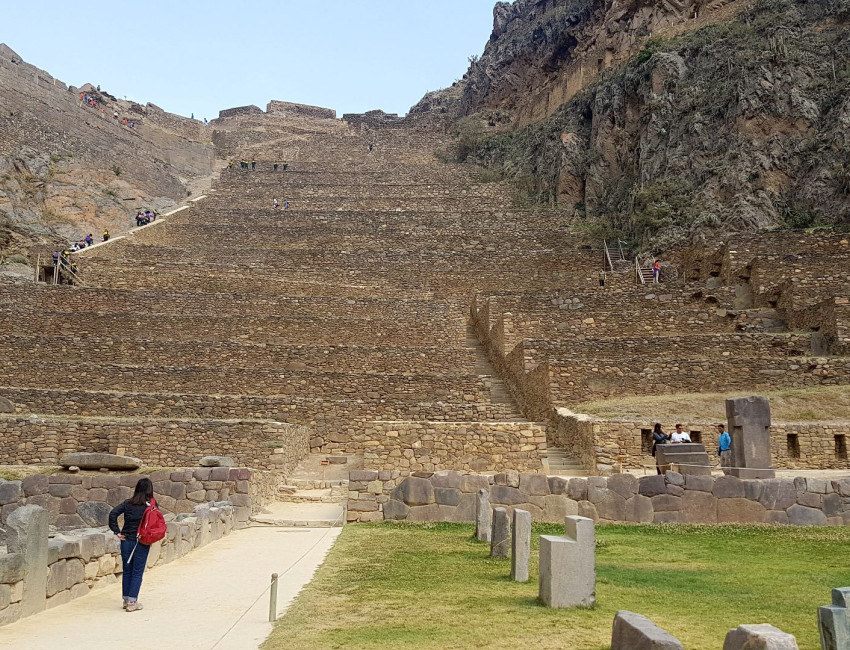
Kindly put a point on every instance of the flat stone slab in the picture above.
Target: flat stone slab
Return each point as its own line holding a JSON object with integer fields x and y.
{"x": 761, "y": 636}
{"x": 301, "y": 515}
{"x": 95, "y": 460}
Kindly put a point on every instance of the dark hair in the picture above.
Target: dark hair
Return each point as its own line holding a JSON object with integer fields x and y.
{"x": 143, "y": 492}
{"x": 657, "y": 428}
{"x": 721, "y": 426}
{"x": 678, "y": 426}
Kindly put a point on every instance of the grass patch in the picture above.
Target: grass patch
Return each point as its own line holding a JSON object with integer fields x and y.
{"x": 790, "y": 405}
{"x": 404, "y": 585}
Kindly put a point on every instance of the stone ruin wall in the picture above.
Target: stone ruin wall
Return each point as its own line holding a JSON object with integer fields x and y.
{"x": 263, "y": 445}
{"x": 84, "y": 499}
{"x": 674, "y": 498}
{"x": 301, "y": 110}
{"x": 41, "y": 112}
{"x": 201, "y": 505}
{"x": 603, "y": 445}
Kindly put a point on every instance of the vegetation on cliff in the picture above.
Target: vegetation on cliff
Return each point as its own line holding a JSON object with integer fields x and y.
{"x": 738, "y": 126}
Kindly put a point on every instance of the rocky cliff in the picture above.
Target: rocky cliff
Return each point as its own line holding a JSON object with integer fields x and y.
{"x": 661, "y": 120}
{"x": 68, "y": 168}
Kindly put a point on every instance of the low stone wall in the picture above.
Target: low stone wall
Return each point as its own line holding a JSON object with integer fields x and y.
{"x": 673, "y": 498}
{"x": 303, "y": 110}
{"x": 84, "y": 560}
{"x": 162, "y": 443}
{"x": 612, "y": 442}
{"x": 430, "y": 446}
{"x": 85, "y": 499}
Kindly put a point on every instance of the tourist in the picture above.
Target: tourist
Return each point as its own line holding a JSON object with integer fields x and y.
{"x": 253, "y": 165}
{"x": 134, "y": 555}
{"x": 105, "y": 235}
{"x": 229, "y": 165}
{"x": 286, "y": 205}
{"x": 724, "y": 448}
{"x": 89, "y": 239}
{"x": 285, "y": 165}
{"x": 656, "y": 270}
{"x": 679, "y": 436}
{"x": 274, "y": 167}
{"x": 658, "y": 438}
{"x": 274, "y": 204}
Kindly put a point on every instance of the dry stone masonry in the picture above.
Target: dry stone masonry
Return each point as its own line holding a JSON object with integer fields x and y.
{"x": 670, "y": 498}
{"x": 568, "y": 565}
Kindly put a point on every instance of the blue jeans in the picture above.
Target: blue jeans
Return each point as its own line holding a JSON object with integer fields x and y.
{"x": 133, "y": 572}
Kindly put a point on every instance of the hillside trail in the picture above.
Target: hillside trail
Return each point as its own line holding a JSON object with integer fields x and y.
{"x": 194, "y": 603}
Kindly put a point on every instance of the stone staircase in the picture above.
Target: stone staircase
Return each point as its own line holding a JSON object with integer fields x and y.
{"x": 559, "y": 463}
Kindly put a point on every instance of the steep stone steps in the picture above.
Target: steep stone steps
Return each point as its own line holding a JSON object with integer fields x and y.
{"x": 559, "y": 463}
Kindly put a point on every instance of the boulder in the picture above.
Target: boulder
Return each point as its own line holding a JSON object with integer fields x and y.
{"x": 803, "y": 516}
{"x": 626, "y": 485}
{"x": 508, "y": 496}
{"x": 635, "y": 632}
{"x": 729, "y": 487}
{"x": 10, "y": 492}
{"x": 96, "y": 460}
{"x": 759, "y": 637}
{"x": 6, "y": 406}
{"x": 413, "y": 491}
{"x": 650, "y": 486}
{"x": 740, "y": 511}
{"x": 216, "y": 461}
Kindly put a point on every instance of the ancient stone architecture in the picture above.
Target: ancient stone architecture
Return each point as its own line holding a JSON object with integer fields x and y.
{"x": 568, "y": 565}
{"x": 520, "y": 545}
{"x": 636, "y": 632}
{"x": 834, "y": 621}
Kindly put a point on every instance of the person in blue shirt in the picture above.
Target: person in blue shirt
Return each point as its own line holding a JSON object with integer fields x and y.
{"x": 659, "y": 438}
{"x": 724, "y": 448}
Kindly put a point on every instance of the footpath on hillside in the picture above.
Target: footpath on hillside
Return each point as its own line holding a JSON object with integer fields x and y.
{"x": 193, "y": 603}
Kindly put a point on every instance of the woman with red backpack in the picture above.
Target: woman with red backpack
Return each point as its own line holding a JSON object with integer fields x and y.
{"x": 140, "y": 516}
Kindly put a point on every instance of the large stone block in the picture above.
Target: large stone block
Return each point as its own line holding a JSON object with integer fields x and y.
{"x": 557, "y": 507}
{"x": 471, "y": 483}
{"x": 612, "y": 507}
{"x": 508, "y": 496}
{"x": 778, "y": 493}
{"x": 395, "y": 509}
{"x": 500, "y": 538}
{"x": 35, "y": 484}
{"x": 414, "y": 491}
{"x": 749, "y": 426}
{"x": 12, "y": 568}
{"x": 520, "y": 545}
{"x": 759, "y": 637}
{"x": 465, "y": 510}
{"x": 635, "y": 632}
{"x": 447, "y": 496}
{"x": 803, "y": 516}
{"x": 216, "y": 461}
{"x": 446, "y": 480}
{"x": 27, "y": 530}
{"x": 626, "y": 485}
{"x": 568, "y": 565}
{"x": 699, "y": 507}
{"x": 10, "y": 492}
{"x": 699, "y": 483}
{"x": 740, "y": 511}
{"x": 729, "y": 487}
{"x": 534, "y": 484}
{"x": 650, "y": 486}
{"x": 557, "y": 484}
{"x": 577, "y": 489}
{"x": 639, "y": 509}
{"x": 666, "y": 503}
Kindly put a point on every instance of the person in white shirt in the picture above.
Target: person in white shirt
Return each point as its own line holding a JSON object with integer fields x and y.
{"x": 679, "y": 436}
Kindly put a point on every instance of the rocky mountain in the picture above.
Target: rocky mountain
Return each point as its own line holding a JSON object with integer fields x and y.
{"x": 659, "y": 121}
{"x": 69, "y": 168}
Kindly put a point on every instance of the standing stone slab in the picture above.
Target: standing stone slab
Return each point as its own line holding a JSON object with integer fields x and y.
{"x": 759, "y": 637}
{"x": 749, "y": 426}
{"x": 520, "y": 545}
{"x": 483, "y": 516}
{"x": 635, "y": 632}
{"x": 834, "y": 621}
{"x": 568, "y": 565}
{"x": 27, "y": 530}
{"x": 500, "y": 539}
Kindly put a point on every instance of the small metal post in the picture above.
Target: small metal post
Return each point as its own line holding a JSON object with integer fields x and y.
{"x": 273, "y": 600}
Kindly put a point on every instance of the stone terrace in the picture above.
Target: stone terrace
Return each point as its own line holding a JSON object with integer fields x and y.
{"x": 757, "y": 312}
{"x": 347, "y": 313}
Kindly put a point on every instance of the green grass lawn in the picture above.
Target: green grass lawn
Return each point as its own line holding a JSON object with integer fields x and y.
{"x": 397, "y": 585}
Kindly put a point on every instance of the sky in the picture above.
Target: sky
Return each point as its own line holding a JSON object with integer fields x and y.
{"x": 200, "y": 57}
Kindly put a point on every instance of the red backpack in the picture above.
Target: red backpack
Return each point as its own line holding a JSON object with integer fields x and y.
{"x": 153, "y": 526}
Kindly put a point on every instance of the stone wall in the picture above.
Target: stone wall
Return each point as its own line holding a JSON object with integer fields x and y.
{"x": 603, "y": 445}
{"x": 304, "y": 110}
{"x": 673, "y": 498}
{"x": 240, "y": 110}
{"x": 163, "y": 443}
{"x": 84, "y": 499}
{"x": 81, "y": 561}
{"x": 429, "y": 446}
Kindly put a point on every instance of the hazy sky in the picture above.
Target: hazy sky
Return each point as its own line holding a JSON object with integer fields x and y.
{"x": 200, "y": 57}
